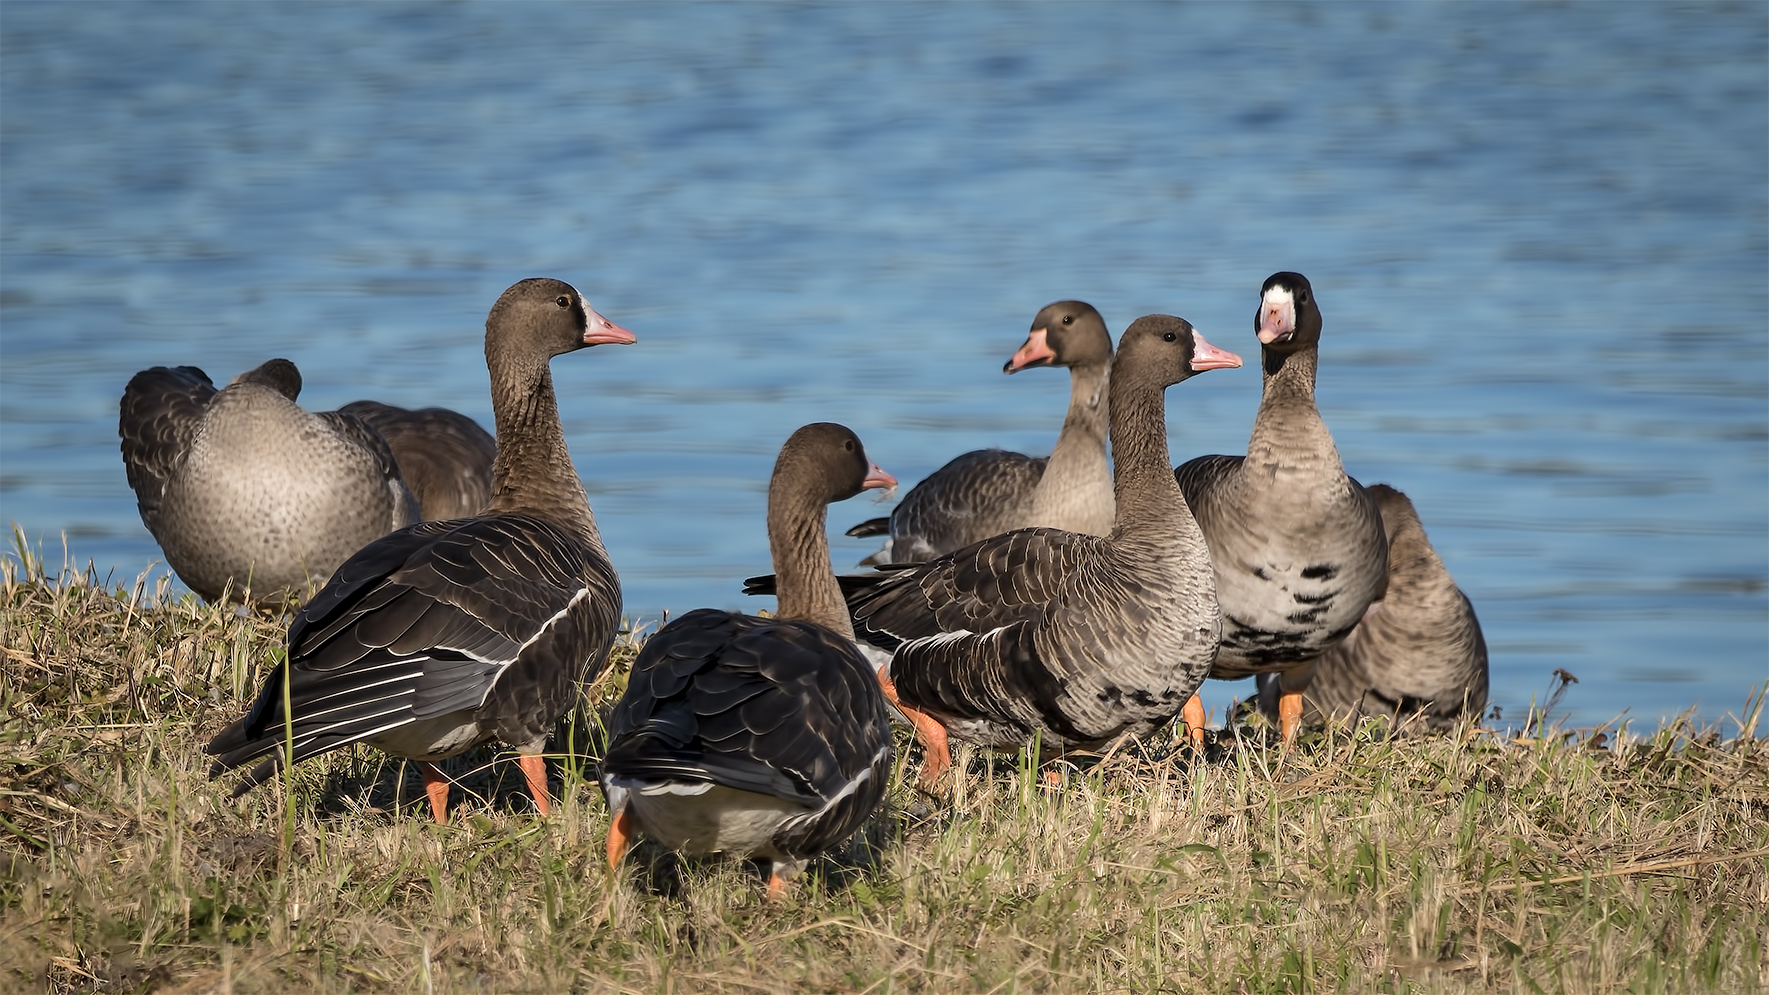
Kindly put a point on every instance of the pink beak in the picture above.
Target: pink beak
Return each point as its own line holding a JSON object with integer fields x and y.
{"x": 1277, "y": 320}
{"x": 1036, "y": 351}
{"x": 601, "y": 331}
{"x": 1208, "y": 357}
{"x": 876, "y": 477}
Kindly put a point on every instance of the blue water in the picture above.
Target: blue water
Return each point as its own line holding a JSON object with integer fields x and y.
{"x": 1539, "y": 234}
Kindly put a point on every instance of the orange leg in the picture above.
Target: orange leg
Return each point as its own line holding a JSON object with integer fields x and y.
{"x": 620, "y": 836}
{"x": 534, "y": 768}
{"x": 436, "y": 786}
{"x": 776, "y": 886}
{"x": 928, "y": 731}
{"x": 1194, "y": 716}
{"x": 1289, "y": 714}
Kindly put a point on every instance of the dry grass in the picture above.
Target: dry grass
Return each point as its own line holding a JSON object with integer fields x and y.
{"x": 1593, "y": 862}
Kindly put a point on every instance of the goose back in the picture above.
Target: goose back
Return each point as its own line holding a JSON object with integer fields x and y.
{"x": 990, "y": 491}
{"x": 247, "y": 493}
{"x": 1418, "y": 657}
{"x": 444, "y": 456}
{"x": 448, "y": 634}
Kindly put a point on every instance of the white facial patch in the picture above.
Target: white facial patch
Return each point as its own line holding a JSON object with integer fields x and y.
{"x": 1279, "y": 295}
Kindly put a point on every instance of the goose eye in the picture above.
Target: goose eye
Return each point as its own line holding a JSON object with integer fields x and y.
{"x": 848, "y": 444}
{"x": 1169, "y": 337}
{"x": 1068, "y": 319}
{"x": 562, "y": 301}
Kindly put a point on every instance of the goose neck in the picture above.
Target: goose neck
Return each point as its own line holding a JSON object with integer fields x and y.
{"x": 805, "y": 584}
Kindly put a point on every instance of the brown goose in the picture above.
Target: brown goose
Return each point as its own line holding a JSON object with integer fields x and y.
{"x": 1073, "y": 638}
{"x": 445, "y": 635}
{"x": 248, "y": 494}
{"x": 444, "y": 456}
{"x": 990, "y": 491}
{"x": 1417, "y": 658}
{"x": 1297, "y": 544}
{"x": 759, "y": 736}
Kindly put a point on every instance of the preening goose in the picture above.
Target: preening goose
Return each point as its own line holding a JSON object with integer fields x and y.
{"x": 445, "y": 457}
{"x": 448, "y": 634}
{"x": 1298, "y": 545}
{"x": 1417, "y": 658}
{"x": 990, "y": 491}
{"x": 1074, "y": 638}
{"x": 759, "y": 736}
{"x": 247, "y": 493}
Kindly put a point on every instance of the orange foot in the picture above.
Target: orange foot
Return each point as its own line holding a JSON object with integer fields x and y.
{"x": 534, "y": 768}
{"x": 620, "y": 836}
{"x": 436, "y": 786}
{"x": 928, "y": 732}
{"x": 1289, "y": 715}
{"x": 1194, "y": 717}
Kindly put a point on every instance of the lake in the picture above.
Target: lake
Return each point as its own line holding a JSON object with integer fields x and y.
{"x": 1539, "y": 235}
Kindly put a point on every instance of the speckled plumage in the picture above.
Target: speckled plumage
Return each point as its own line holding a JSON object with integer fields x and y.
{"x": 1071, "y": 637}
{"x": 448, "y": 634}
{"x": 1418, "y": 656}
{"x": 246, "y": 492}
{"x": 990, "y": 491}
{"x": 751, "y": 736}
{"x": 444, "y": 456}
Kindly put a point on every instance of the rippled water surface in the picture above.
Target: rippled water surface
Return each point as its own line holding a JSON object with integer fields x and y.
{"x": 1539, "y": 235}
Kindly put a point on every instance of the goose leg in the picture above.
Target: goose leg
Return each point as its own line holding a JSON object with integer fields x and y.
{"x": 534, "y": 768}
{"x": 1194, "y": 717}
{"x": 436, "y": 786}
{"x": 930, "y": 733}
{"x": 1289, "y": 715}
{"x": 620, "y": 836}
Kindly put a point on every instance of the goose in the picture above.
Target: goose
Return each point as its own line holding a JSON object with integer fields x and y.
{"x": 444, "y": 456}
{"x": 448, "y": 634}
{"x": 251, "y": 497}
{"x": 1297, "y": 544}
{"x": 1417, "y": 657}
{"x": 986, "y": 492}
{"x": 1071, "y": 638}
{"x": 759, "y": 737}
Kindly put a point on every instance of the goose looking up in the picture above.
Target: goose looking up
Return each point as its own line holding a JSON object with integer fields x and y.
{"x": 759, "y": 736}
{"x": 445, "y": 635}
{"x": 1297, "y": 545}
{"x": 1417, "y": 657}
{"x": 445, "y": 457}
{"x": 248, "y": 494}
{"x": 990, "y": 491}
{"x": 1073, "y": 638}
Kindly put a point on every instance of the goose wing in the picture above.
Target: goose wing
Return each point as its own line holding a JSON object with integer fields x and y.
{"x": 501, "y": 614}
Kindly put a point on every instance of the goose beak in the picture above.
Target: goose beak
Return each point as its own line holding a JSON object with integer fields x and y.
{"x": 1036, "y": 352}
{"x": 1277, "y": 319}
{"x": 601, "y": 331}
{"x": 1208, "y": 357}
{"x": 876, "y": 477}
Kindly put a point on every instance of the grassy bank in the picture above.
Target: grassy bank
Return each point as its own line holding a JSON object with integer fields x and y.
{"x": 1561, "y": 861}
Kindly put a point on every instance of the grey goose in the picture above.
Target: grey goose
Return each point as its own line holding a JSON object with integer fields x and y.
{"x": 986, "y": 492}
{"x": 759, "y": 737}
{"x": 1297, "y": 544}
{"x": 445, "y": 457}
{"x": 1072, "y": 638}
{"x": 1417, "y": 658}
{"x": 445, "y": 635}
{"x": 250, "y": 496}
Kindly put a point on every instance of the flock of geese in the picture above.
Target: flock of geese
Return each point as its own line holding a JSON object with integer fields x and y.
{"x": 450, "y": 588}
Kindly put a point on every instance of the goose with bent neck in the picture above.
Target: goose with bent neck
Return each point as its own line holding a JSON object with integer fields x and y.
{"x": 1297, "y": 544}
{"x": 990, "y": 491}
{"x": 1072, "y": 638}
{"x": 759, "y": 736}
{"x": 444, "y": 635}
